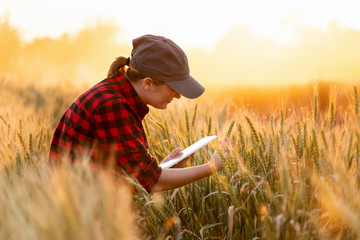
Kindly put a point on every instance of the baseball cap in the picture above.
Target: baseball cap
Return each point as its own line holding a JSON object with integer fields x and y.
{"x": 161, "y": 59}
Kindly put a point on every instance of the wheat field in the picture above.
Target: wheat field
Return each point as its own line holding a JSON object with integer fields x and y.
{"x": 291, "y": 173}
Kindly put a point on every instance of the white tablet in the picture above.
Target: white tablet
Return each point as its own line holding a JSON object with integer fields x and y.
{"x": 188, "y": 151}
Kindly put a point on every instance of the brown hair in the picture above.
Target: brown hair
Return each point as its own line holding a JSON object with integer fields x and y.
{"x": 122, "y": 66}
{"x": 118, "y": 67}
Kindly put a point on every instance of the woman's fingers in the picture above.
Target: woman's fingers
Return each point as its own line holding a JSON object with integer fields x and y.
{"x": 226, "y": 146}
{"x": 215, "y": 162}
{"x": 173, "y": 154}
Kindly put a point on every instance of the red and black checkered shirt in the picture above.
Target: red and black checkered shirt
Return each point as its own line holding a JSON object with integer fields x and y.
{"x": 105, "y": 121}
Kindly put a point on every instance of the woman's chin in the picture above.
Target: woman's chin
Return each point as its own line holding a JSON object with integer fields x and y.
{"x": 162, "y": 106}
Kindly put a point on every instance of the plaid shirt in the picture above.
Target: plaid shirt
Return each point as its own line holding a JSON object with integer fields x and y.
{"x": 105, "y": 121}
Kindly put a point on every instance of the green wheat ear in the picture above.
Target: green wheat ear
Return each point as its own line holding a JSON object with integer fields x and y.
{"x": 315, "y": 150}
{"x": 272, "y": 124}
{"x": 188, "y": 132}
{"x": 332, "y": 100}
{"x": 241, "y": 136}
{"x": 31, "y": 146}
{"x": 40, "y": 139}
{"x": 315, "y": 108}
{"x": 21, "y": 139}
{"x": 332, "y": 114}
{"x": 305, "y": 136}
{"x": 209, "y": 126}
{"x": 356, "y": 101}
{"x": 230, "y": 129}
{"x": 254, "y": 135}
{"x": 299, "y": 140}
{"x": 349, "y": 155}
{"x": 187, "y": 122}
{"x": 194, "y": 116}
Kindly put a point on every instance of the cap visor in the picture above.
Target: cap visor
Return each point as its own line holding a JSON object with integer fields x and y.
{"x": 189, "y": 88}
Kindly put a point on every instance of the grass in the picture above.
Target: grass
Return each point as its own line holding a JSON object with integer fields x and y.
{"x": 291, "y": 173}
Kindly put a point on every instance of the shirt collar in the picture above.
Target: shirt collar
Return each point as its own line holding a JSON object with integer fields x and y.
{"x": 129, "y": 93}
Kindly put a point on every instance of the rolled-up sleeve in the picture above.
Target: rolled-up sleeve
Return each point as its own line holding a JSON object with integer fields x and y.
{"x": 119, "y": 130}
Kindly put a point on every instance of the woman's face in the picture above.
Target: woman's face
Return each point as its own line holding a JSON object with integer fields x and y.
{"x": 158, "y": 96}
{"x": 161, "y": 95}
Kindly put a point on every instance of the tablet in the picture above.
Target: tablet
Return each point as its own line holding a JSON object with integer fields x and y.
{"x": 188, "y": 151}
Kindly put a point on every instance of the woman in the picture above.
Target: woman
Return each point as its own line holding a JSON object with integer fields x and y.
{"x": 105, "y": 121}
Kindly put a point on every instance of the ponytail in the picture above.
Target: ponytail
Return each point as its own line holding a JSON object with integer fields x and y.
{"x": 121, "y": 65}
{"x": 118, "y": 67}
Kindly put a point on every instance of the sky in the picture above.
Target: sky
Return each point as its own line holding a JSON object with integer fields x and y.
{"x": 190, "y": 23}
{"x": 229, "y": 42}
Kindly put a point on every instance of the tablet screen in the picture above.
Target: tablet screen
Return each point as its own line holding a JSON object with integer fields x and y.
{"x": 188, "y": 151}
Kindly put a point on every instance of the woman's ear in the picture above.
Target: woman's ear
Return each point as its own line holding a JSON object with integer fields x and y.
{"x": 147, "y": 83}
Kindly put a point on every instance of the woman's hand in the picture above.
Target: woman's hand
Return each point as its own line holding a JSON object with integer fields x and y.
{"x": 215, "y": 161}
{"x": 176, "y": 153}
{"x": 226, "y": 146}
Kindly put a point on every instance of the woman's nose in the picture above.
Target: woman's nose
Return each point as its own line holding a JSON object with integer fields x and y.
{"x": 177, "y": 95}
